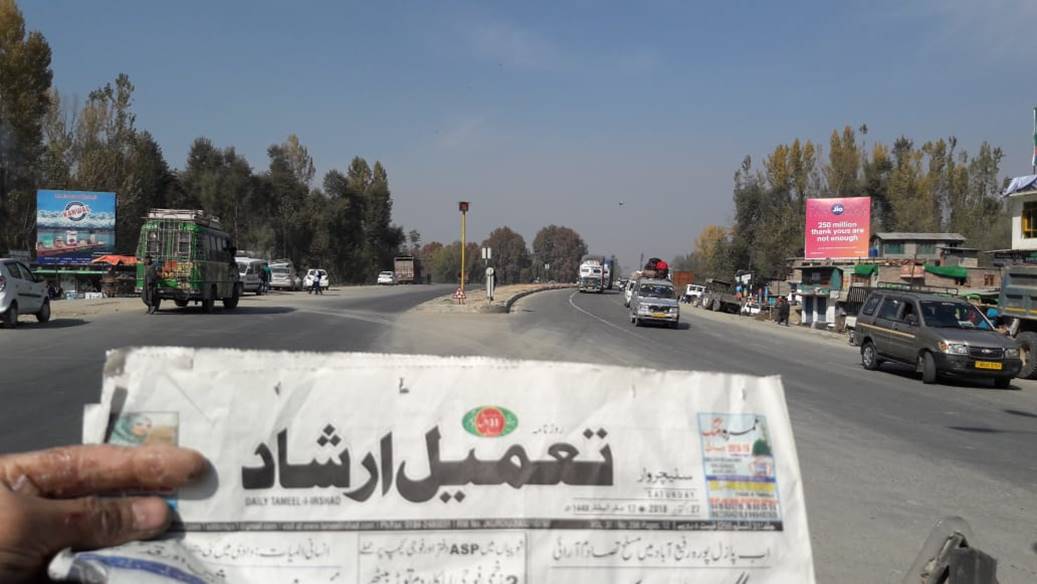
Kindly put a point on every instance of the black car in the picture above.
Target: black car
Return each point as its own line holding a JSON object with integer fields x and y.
{"x": 936, "y": 334}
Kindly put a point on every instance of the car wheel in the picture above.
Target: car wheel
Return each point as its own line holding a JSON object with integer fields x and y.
{"x": 180, "y": 303}
{"x": 1027, "y": 346}
{"x": 869, "y": 356}
{"x": 11, "y": 316}
{"x": 1003, "y": 382}
{"x": 927, "y": 365}
{"x": 44, "y": 314}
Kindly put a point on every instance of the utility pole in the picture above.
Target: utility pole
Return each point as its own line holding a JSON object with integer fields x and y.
{"x": 463, "y": 207}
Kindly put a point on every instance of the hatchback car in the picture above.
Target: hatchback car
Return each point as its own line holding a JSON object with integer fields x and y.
{"x": 654, "y": 300}
{"x": 21, "y": 292}
{"x": 936, "y": 334}
{"x": 386, "y": 278}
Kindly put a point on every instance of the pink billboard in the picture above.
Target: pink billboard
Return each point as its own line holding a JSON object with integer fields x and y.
{"x": 838, "y": 227}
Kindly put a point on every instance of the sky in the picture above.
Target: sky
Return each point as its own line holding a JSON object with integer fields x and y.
{"x": 555, "y": 112}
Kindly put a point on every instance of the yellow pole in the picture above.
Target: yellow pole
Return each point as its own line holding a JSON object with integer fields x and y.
{"x": 464, "y": 216}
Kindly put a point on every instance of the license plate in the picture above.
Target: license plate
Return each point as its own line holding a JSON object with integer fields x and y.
{"x": 660, "y": 315}
{"x": 988, "y": 365}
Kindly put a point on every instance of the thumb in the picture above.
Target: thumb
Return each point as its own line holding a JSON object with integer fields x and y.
{"x": 91, "y": 522}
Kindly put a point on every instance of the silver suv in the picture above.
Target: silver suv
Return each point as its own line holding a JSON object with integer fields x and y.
{"x": 21, "y": 292}
{"x": 653, "y": 300}
{"x": 936, "y": 334}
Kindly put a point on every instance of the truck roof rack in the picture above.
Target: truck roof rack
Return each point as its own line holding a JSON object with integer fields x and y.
{"x": 196, "y": 215}
{"x": 920, "y": 288}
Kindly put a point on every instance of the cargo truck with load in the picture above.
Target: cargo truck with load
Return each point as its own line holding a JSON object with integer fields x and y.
{"x": 407, "y": 270}
{"x": 1017, "y": 301}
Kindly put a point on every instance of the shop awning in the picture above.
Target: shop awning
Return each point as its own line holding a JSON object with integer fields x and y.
{"x": 867, "y": 270}
{"x": 956, "y": 272}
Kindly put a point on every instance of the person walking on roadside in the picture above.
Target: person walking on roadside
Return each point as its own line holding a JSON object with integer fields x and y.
{"x": 315, "y": 286}
{"x": 783, "y": 311}
{"x": 151, "y": 284}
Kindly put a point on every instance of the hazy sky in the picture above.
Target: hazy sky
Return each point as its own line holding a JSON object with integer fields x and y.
{"x": 555, "y": 112}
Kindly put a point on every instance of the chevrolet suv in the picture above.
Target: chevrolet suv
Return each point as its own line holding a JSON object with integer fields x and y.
{"x": 936, "y": 334}
{"x": 654, "y": 300}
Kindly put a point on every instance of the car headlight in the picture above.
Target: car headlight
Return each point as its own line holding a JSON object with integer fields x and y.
{"x": 643, "y": 309}
{"x": 1012, "y": 353}
{"x": 953, "y": 348}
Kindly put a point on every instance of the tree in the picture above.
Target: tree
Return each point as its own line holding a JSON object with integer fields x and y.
{"x": 415, "y": 241}
{"x": 445, "y": 263}
{"x": 299, "y": 160}
{"x": 25, "y": 79}
{"x": 510, "y": 256}
{"x": 843, "y": 164}
{"x": 562, "y": 248}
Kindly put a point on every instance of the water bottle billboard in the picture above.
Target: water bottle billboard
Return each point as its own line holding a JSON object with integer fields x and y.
{"x": 73, "y": 226}
{"x": 838, "y": 227}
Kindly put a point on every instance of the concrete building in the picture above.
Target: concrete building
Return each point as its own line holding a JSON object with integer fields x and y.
{"x": 1022, "y": 206}
{"x": 899, "y": 245}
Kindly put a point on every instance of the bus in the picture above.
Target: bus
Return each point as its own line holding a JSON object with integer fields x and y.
{"x": 196, "y": 257}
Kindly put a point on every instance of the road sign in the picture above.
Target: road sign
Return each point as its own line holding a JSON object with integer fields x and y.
{"x": 459, "y": 296}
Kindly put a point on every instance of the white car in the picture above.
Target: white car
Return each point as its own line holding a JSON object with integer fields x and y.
{"x": 693, "y": 292}
{"x": 628, "y": 292}
{"x": 316, "y": 273}
{"x": 751, "y": 308}
{"x": 249, "y": 271}
{"x": 21, "y": 292}
{"x": 386, "y": 278}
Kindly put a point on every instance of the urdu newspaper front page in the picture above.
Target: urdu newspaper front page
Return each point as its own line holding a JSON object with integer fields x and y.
{"x": 395, "y": 469}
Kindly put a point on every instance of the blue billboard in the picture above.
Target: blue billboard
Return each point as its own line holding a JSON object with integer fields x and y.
{"x": 73, "y": 226}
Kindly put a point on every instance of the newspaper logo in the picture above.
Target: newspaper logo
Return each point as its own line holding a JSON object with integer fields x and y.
{"x": 490, "y": 422}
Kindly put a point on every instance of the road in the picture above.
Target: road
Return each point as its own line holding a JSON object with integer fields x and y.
{"x": 883, "y": 456}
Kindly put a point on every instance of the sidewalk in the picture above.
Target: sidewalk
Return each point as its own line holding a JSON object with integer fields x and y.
{"x": 768, "y": 324}
{"x": 503, "y": 298}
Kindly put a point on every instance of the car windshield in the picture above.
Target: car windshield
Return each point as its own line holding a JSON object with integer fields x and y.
{"x": 951, "y": 314}
{"x": 655, "y": 291}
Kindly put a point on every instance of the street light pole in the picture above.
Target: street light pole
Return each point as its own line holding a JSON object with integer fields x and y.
{"x": 463, "y": 207}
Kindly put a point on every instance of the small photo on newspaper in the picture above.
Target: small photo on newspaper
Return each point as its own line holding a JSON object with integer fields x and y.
{"x": 401, "y": 469}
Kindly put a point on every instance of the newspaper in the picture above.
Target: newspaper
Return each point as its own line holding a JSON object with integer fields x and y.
{"x": 395, "y": 469}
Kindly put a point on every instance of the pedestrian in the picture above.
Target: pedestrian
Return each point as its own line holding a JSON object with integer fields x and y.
{"x": 783, "y": 311}
{"x": 151, "y": 273}
{"x": 315, "y": 286}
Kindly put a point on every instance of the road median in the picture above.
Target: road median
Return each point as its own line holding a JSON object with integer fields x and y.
{"x": 476, "y": 303}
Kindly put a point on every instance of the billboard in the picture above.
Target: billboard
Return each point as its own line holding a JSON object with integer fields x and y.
{"x": 72, "y": 226}
{"x": 838, "y": 227}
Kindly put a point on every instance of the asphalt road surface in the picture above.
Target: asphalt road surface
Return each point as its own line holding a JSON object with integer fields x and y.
{"x": 883, "y": 456}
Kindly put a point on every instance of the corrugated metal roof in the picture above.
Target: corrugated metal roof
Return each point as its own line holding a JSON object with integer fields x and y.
{"x": 906, "y": 235}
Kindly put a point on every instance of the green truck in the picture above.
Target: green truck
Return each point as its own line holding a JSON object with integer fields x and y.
{"x": 194, "y": 255}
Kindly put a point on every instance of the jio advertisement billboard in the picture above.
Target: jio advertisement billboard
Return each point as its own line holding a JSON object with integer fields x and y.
{"x": 838, "y": 227}
{"x": 72, "y": 226}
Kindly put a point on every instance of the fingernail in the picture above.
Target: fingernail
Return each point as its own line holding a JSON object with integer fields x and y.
{"x": 149, "y": 514}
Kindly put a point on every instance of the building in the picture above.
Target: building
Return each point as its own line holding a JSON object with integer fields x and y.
{"x": 898, "y": 245}
{"x": 1022, "y": 206}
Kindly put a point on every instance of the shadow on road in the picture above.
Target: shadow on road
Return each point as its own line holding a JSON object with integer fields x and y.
{"x": 942, "y": 381}
{"x": 1021, "y": 413}
{"x": 978, "y": 430}
{"x": 239, "y": 311}
{"x": 57, "y": 323}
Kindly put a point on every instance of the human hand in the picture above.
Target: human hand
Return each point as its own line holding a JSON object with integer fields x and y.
{"x": 48, "y": 500}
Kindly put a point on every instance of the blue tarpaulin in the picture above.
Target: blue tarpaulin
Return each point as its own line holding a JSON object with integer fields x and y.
{"x": 1021, "y": 183}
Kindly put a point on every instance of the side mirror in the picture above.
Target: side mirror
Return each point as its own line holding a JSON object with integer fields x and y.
{"x": 911, "y": 319}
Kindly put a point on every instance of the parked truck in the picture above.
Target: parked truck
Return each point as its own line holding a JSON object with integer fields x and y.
{"x": 407, "y": 270}
{"x": 1018, "y": 305}
{"x": 720, "y": 297}
{"x": 680, "y": 280}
